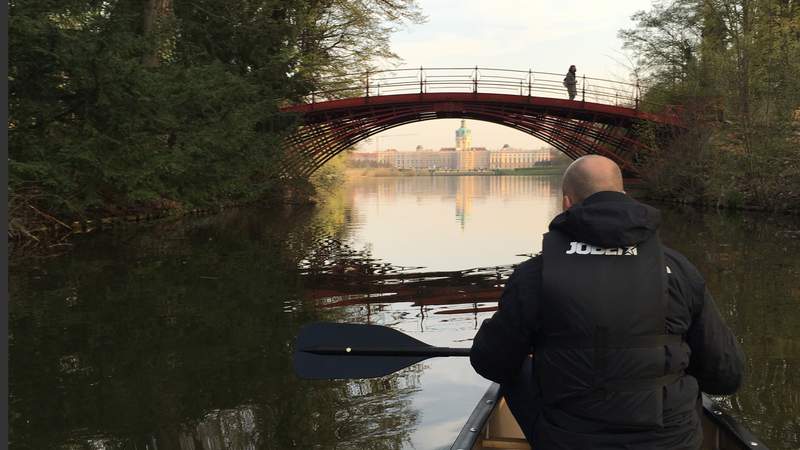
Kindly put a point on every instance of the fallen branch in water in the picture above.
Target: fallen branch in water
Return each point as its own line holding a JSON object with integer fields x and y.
{"x": 49, "y": 217}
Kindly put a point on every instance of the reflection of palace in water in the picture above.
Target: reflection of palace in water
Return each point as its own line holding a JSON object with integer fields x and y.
{"x": 464, "y": 190}
{"x": 472, "y": 188}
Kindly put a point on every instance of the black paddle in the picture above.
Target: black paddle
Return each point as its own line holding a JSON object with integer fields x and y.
{"x": 344, "y": 350}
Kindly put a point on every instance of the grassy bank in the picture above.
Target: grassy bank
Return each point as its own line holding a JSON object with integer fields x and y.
{"x": 543, "y": 170}
{"x": 393, "y": 172}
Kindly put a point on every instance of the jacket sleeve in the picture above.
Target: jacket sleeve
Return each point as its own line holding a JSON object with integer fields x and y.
{"x": 504, "y": 340}
{"x": 717, "y": 361}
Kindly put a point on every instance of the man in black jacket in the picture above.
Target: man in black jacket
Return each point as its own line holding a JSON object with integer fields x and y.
{"x": 623, "y": 332}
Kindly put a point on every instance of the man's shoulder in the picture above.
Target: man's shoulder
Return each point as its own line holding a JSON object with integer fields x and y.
{"x": 676, "y": 263}
{"x": 530, "y": 266}
{"x": 682, "y": 269}
{"x": 527, "y": 272}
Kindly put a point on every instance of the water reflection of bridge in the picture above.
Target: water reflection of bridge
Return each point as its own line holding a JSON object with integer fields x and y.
{"x": 355, "y": 279}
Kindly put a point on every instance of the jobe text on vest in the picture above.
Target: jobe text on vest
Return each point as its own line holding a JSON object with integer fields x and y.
{"x": 582, "y": 248}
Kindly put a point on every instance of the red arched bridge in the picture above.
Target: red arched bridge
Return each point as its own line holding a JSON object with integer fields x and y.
{"x": 602, "y": 119}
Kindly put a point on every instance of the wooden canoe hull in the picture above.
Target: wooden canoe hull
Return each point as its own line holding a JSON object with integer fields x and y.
{"x": 491, "y": 426}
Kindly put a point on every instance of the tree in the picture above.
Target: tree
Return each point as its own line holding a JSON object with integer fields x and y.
{"x": 740, "y": 59}
{"x": 666, "y": 40}
{"x": 138, "y": 104}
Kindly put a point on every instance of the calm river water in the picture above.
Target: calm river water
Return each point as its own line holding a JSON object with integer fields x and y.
{"x": 179, "y": 335}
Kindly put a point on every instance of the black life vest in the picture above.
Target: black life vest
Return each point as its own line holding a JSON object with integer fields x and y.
{"x": 602, "y": 356}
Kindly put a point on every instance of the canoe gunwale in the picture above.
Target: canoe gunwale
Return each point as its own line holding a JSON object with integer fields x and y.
{"x": 723, "y": 420}
{"x": 471, "y": 431}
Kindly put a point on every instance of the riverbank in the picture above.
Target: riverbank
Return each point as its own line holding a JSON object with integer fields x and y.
{"x": 712, "y": 166}
{"x": 30, "y": 226}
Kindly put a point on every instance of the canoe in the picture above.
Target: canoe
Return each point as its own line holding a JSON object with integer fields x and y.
{"x": 491, "y": 426}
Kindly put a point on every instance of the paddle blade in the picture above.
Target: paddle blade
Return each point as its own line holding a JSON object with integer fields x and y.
{"x": 329, "y": 367}
{"x": 311, "y": 365}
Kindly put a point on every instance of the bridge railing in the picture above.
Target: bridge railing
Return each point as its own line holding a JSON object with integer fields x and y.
{"x": 476, "y": 80}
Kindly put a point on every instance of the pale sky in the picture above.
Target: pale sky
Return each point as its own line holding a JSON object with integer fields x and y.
{"x": 543, "y": 35}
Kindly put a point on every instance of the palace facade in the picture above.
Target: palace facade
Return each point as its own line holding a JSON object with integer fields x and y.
{"x": 462, "y": 157}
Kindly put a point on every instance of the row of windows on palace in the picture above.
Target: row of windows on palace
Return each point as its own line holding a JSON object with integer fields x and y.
{"x": 452, "y": 159}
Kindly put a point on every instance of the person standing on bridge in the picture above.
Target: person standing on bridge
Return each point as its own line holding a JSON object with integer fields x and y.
{"x": 571, "y": 83}
{"x": 623, "y": 332}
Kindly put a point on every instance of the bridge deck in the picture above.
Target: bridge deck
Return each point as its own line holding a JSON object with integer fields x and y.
{"x": 600, "y": 120}
{"x": 454, "y": 101}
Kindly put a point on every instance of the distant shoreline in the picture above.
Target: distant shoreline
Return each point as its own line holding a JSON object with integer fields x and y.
{"x": 393, "y": 172}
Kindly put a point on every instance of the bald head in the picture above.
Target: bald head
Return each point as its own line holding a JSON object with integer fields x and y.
{"x": 588, "y": 175}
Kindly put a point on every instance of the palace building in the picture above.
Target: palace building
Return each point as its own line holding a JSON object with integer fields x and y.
{"x": 463, "y": 137}
{"x": 462, "y": 157}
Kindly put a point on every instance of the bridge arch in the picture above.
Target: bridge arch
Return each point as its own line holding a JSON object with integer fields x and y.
{"x": 574, "y": 127}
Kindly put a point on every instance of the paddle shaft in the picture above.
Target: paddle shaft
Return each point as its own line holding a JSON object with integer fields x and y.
{"x": 389, "y": 351}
